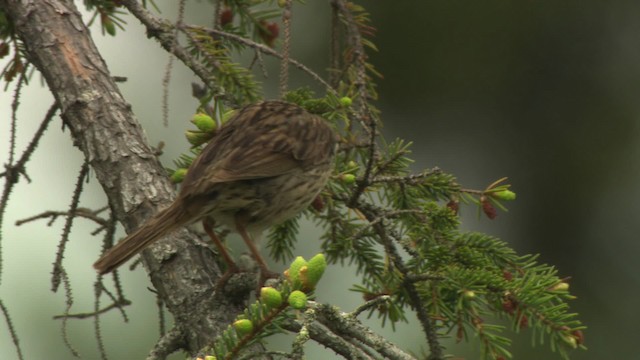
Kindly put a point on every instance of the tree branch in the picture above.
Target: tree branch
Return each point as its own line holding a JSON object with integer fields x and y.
{"x": 114, "y": 305}
{"x": 163, "y": 31}
{"x": 13, "y": 171}
{"x": 409, "y": 286}
{"x": 12, "y": 330}
{"x": 269, "y": 51}
{"x": 102, "y": 125}
{"x": 168, "y": 344}
{"x": 345, "y": 325}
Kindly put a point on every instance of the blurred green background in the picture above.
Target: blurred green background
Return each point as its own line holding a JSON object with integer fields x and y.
{"x": 543, "y": 92}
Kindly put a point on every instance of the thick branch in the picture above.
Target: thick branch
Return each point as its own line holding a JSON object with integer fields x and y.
{"x": 323, "y": 336}
{"x": 346, "y": 326}
{"x": 106, "y": 131}
{"x": 169, "y": 343}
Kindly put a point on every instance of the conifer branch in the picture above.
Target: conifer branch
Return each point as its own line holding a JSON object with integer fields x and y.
{"x": 267, "y": 50}
{"x": 162, "y": 30}
{"x": 346, "y": 326}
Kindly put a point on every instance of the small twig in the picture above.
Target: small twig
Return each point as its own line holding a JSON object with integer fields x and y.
{"x": 334, "y": 78}
{"x": 97, "y": 231}
{"x": 355, "y": 39}
{"x": 216, "y": 15}
{"x": 270, "y": 355}
{"x": 13, "y": 172}
{"x": 69, "y": 304}
{"x": 57, "y": 264}
{"x": 135, "y": 264}
{"x": 167, "y": 71}
{"x": 165, "y": 91}
{"x": 363, "y": 112}
{"x": 119, "y": 301}
{"x": 422, "y": 277}
{"x": 26, "y": 155}
{"x": 86, "y": 315}
{"x": 408, "y": 179}
{"x": 162, "y": 30}
{"x": 286, "y": 47}
{"x": 118, "y": 298}
{"x": 320, "y": 334}
{"x": 384, "y": 216}
{"x": 472, "y": 191}
{"x": 368, "y": 305}
{"x": 18, "y": 168}
{"x": 79, "y": 212}
{"x": 267, "y": 50}
{"x": 11, "y": 329}
{"x": 365, "y": 181}
{"x": 98, "y": 288}
{"x": 14, "y": 112}
{"x": 108, "y": 239}
{"x": 297, "y": 348}
{"x": 258, "y": 59}
{"x": 211, "y": 59}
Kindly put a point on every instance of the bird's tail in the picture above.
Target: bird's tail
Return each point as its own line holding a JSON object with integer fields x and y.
{"x": 161, "y": 224}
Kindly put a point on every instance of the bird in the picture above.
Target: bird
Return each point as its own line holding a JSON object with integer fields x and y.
{"x": 262, "y": 167}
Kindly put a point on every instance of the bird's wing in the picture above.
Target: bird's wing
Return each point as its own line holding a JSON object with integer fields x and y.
{"x": 263, "y": 140}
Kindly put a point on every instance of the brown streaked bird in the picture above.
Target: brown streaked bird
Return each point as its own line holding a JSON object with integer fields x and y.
{"x": 264, "y": 166}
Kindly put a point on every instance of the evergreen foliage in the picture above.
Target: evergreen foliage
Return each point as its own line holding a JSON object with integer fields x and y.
{"x": 399, "y": 228}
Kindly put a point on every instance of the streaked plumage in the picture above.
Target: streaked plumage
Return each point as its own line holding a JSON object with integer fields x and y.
{"x": 264, "y": 166}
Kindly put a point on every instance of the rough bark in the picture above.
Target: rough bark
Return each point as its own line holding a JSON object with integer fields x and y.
{"x": 102, "y": 125}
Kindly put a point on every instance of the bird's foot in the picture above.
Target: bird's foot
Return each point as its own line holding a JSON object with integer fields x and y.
{"x": 231, "y": 270}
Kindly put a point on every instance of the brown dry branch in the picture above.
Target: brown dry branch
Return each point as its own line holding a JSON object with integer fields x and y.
{"x": 286, "y": 47}
{"x": 268, "y": 51}
{"x": 86, "y": 315}
{"x": 53, "y": 215}
{"x": 12, "y": 330}
{"x": 57, "y": 264}
{"x": 104, "y": 128}
{"x": 163, "y": 31}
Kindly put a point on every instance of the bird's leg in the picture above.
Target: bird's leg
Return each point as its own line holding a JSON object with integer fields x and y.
{"x": 232, "y": 268}
{"x": 265, "y": 273}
